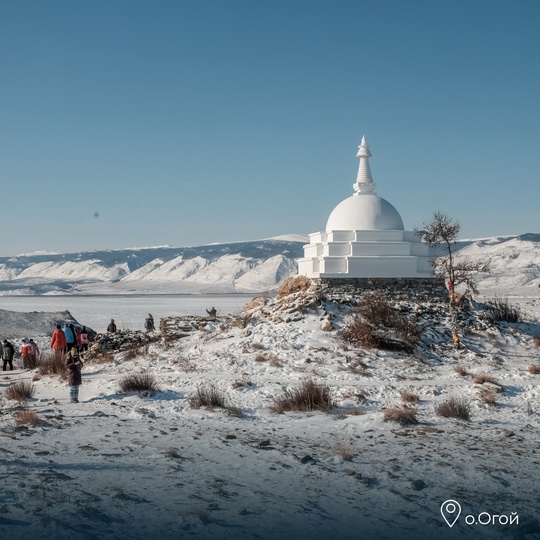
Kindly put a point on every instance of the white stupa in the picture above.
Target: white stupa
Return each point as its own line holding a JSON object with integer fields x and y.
{"x": 365, "y": 238}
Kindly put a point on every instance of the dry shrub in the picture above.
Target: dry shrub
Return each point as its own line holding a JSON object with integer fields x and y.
{"x": 20, "y": 390}
{"x": 307, "y": 397}
{"x": 460, "y": 370}
{"x": 534, "y": 369}
{"x": 481, "y": 378}
{"x": 138, "y": 382}
{"x": 233, "y": 410}
{"x": 489, "y": 398}
{"x": 257, "y": 346}
{"x": 401, "y": 415}
{"x": 409, "y": 397}
{"x": 261, "y": 358}
{"x": 208, "y": 396}
{"x": 500, "y": 309}
{"x": 173, "y": 453}
{"x": 50, "y": 364}
{"x": 26, "y": 417}
{"x": 275, "y": 362}
{"x": 454, "y": 408}
{"x": 376, "y": 324}
{"x": 344, "y": 451}
{"x": 184, "y": 364}
{"x": 32, "y": 362}
{"x": 536, "y": 341}
{"x": 293, "y": 284}
{"x": 240, "y": 383}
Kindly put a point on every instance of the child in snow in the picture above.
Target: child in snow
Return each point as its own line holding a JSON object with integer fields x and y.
{"x": 74, "y": 378}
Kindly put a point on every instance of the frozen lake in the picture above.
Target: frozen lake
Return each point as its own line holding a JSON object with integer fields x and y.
{"x": 129, "y": 312}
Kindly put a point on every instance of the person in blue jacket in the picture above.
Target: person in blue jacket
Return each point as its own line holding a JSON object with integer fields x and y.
{"x": 70, "y": 337}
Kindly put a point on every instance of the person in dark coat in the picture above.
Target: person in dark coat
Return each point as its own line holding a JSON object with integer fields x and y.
{"x": 8, "y": 351}
{"x": 74, "y": 378}
{"x": 149, "y": 323}
{"x": 112, "y": 326}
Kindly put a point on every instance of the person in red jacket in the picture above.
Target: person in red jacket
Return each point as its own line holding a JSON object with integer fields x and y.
{"x": 26, "y": 351}
{"x": 58, "y": 342}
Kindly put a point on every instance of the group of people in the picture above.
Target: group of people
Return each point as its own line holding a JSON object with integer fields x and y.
{"x": 149, "y": 325}
{"x": 68, "y": 338}
{"x": 29, "y": 354}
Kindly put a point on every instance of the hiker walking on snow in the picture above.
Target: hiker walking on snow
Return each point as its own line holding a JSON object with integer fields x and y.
{"x": 58, "y": 342}
{"x": 74, "y": 378}
{"x": 7, "y": 355}
{"x": 149, "y": 323}
{"x": 26, "y": 352}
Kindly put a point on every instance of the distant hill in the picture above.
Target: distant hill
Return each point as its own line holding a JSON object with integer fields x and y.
{"x": 241, "y": 267}
{"x": 217, "y": 268}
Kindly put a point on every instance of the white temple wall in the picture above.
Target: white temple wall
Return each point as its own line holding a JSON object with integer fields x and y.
{"x": 360, "y": 249}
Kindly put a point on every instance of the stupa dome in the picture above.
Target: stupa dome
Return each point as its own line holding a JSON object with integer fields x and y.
{"x": 364, "y": 212}
{"x": 365, "y": 238}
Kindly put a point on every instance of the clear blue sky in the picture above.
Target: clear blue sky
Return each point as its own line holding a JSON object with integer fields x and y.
{"x": 190, "y": 122}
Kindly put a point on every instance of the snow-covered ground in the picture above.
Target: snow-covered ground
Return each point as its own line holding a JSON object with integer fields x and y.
{"x": 128, "y": 466}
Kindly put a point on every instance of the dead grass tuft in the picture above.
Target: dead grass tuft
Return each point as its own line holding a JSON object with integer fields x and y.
{"x": 534, "y": 369}
{"x": 409, "y": 397}
{"x": 307, "y": 397}
{"x": 257, "y": 346}
{"x": 20, "y": 390}
{"x": 208, "y": 396}
{"x": 454, "y": 408}
{"x": 138, "y": 382}
{"x": 275, "y": 362}
{"x": 261, "y": 358}
{"x": 26, "y": 417}
{"x": 401, "y": 415}
{"x": 536, "y": 341}
{"x": 293, "y": 284}
{"x": 50, "y": 364}
{"x": 184, "y": 364}
{"x": 343, "y": 450}
{"x": 481, "y": 378}
{"x": 460, "y": 370}
{"x": 241, "y": 383}
{"x": 499, "y": 309}
{"x": 489, "y": 398}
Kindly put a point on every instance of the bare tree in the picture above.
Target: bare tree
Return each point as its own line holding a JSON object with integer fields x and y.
{"x": 443, "y": 231}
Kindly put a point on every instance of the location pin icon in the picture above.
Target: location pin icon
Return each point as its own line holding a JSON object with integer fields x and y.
{"x": 450, "y": 511}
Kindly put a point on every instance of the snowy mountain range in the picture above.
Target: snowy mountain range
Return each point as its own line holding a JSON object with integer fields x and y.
{"x": 241, "y": 267}
{"x": 217, "y": 268}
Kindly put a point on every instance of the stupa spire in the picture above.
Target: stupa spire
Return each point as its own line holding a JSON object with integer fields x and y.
{"x": 364, "y": 181}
